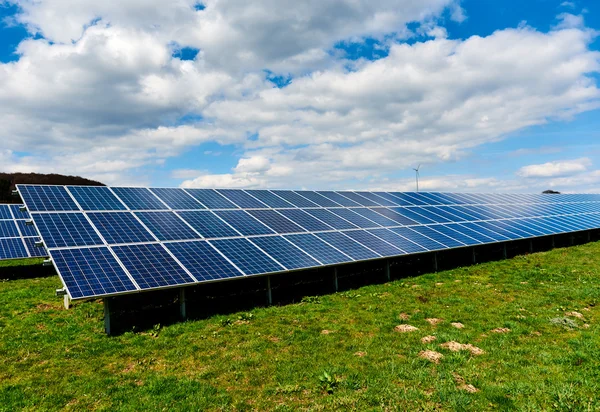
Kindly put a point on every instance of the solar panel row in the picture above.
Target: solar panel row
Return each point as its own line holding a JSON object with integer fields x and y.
{"x": 137, "y": 239}
{"x": 17, "y": 238}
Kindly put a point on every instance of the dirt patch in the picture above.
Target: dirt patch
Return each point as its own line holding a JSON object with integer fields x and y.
{"x": 463, "y": 385}
{"x": 415, "y": 286}
{"x": 404, "y": 316}
{"x": 469, "y": 388}
{"x": 586, "y": 326}
{"x": 457, "y": 281}
{"x": 431, "y": 355}
{"x": 439, "y": 283}
{"x": 586, "y": 309}
{"x": 524, "y": 283}
{"x": 274, "y": 339}
{"x": 43, "y": 307}
{"x": 326, "y": 332}
{"x": 434, "y": 321}
{"x": 456, "y": 347}
{"x": 428, "y": 339}
{"x": 574, "y": 314}
{"x": 536, "y": 333}
{"x": 500, "y": 330}
{"x": 458, "y": 325}
{"x": 405, "y": 328}
{"x": 360, "y": 354}
{"x": 129, "y": 368}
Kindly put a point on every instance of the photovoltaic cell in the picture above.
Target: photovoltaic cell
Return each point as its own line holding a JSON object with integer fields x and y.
{"x": 246, "y": 256}
{"x": 398, "y": 218}
{"x": 354, "y": 218}
{"x": 90, "y": 272}
{"x": 8, "y": 229}
{"x": 177, "y": 198}
{"x": 318, "y": 249}
{"x": 410, "y": 213}
{"x": 243, "y": 222}
{"x": 454, "y": 235}
{"x": 397, "y": 240}
{"x": 35, "y": 251}
{"x": 339, "y": 199}
{"x": 331, "y": 219}
{"x": 475, "y": 226}
{"x": 374, "y": 216}
{"x": 12, "y": 248}
{"x": 241, "y": 198}
{"x": 25, "y": 229}
{"x": 18, "y": 214}
{"x": 382, "y": 201}
{"x": 211, "y": 199}
{"x": 317, "y": 198}
{"x": 284, "y": 252}
{"x": 5, "y": 212}
{"x": 139, "y": 198}
{"x": 95, "y": 198}
{"x": 350, "y": 247}
{"x": 394, "y": 200}
{"x": 203, "y": 261}
{"x": 166, "y": 226}
{"x": 399, "y": 198}
{"x": 151, "y": 266}
{"x": 275, "y": 221}
{"x": 208, "y": 224}
{"x": 437, "y": 236}
{"x": 66, "y": 230}
{"x": 294, "y": 198}
{"x": 471, "y": 233}
{"x": 120, "y": 227}
{"x": 418, "y": 238}
{"x": 270, "y": 199}
{"x": 358, "y": 199}
{"x": 374, "y": 243}
{"x": 305, "y": 220}
{"x": 46, "y": 198}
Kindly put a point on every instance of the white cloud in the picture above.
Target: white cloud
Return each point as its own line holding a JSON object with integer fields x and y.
{"x": 570, "y": 21}
{"x": 556, "y": 169}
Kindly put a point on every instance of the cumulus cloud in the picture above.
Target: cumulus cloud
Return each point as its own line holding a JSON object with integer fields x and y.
{"x": 558, "y": 168}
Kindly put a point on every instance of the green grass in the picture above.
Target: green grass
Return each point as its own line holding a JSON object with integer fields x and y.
{"x": 277, "y": 358}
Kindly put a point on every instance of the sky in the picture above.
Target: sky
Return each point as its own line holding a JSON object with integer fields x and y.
{"x": 484, "y": 95}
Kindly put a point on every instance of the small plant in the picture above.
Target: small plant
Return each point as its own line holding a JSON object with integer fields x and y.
{"x": 311, "y": 299}
{"x": 246, "y": 317}
{"x": 155, "y": 330}
{"x": 564, "y": 322}
{"x": 329, "y": 382}
{"x": 226, "y": 322}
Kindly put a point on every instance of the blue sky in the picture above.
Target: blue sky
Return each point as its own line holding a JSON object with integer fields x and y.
{"x": 486, "y": 95}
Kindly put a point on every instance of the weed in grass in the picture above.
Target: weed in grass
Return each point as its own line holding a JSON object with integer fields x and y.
{"x": 564, "y": 322}
{"x": 329, "y": 382}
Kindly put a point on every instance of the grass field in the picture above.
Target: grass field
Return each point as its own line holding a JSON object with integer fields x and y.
{"x": 531, "y": 322}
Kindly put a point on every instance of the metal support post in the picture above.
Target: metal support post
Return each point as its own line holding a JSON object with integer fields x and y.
{"x": 107, "y": 310}
{"x": 66, "y": 301}
{"x": 572, "y": 240}
{"x": 530, "y": 246}
{"x": 387, "y": 270}
{"x": 182, "y": 304}
{"x": 504, "y": 254}
{"x": 589, "y": 235}
{"x": 335, "y": 279}
{"x": 435, "y": 262}
{"x": 474, "y": 256}
{"x": 269, "y": 295}
{"x": 553, "y": 242}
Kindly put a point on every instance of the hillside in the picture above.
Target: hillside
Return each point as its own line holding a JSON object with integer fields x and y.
{"x": 515, "y": 334}
{"x": 9, "y": 180}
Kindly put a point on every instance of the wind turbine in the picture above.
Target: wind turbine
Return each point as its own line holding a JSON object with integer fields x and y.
{"x": 417, "y": 175}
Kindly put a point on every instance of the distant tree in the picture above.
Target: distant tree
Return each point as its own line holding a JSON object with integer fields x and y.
{"x": 550, "y": 192}
{"x": 8, "y": 181}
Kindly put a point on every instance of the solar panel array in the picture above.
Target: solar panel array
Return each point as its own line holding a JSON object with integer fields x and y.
{"x": 112, "y": 240}
{"x": 17, "y": 237}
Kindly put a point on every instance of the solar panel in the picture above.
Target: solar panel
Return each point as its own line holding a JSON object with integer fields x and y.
{"x": 276, "y": 221}
{"x": 305, "y": 220}
{"x": 203, "y": 261}
{"x": 211, "y": 199}
{"x": 354, "y": 218}
{"x": 139, "y": 198}
{"x": 331, "y": 219}
{"x": 359, "y": 199}
{"x": 374, "y": 243}
{"x": 177, "y": 198}
{"x": 284, "y": 252}
{"x": 454, "y": 235}
{"x": 18, "y": 213}
{"x": 247, "y": 257}
{"x": 350, "y": 247}
{"x": 5, "y": 212}
{"x": 374, "y": 216}
{"x": 317, "y": 248}
{"x": 241, "y": 198}
{"x": 120, "y": 227}
{"x": 270, "y": 199}
{"x": 167, "y": 226}
{"x": 66, "y": 230}
{"x": 394, "y": 201}
{"x": 151, "y": 266}
{"x": 421, "y": 240}
{"x": 95, "y": 198}
{"x": 243, "y": 222}
{"x": 294, "y": 198}
{"x": 91, "y": 272}
{"x": 339, "y": 199}
{"x": 25, "y": 229}
{"x": 317, "y": 198}
{"x": 34, "y": 251}
{"x": 376, "y": 199}
{"x": 410, "y": 213}
{"x": 396, "y": 217}
{"x": 208, "y": 224}
{"x": 12, "y": 248}
{"x": 46, "y": 198}
{"x": 8, "y": 228}
{"x": 400, "y": 242}
{"x": 437, "y": 236}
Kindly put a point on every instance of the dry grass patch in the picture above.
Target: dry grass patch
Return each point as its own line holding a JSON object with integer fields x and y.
{"x": 458, "y": 325}
{"x": 404, "y": 316}
{"x": 500, "y": 330}
{"x": 454, "y": 346}
{"x": 574, "y": 314}
{"x": 434, "y": 321}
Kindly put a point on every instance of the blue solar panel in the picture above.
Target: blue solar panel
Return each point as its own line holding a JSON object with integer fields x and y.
{"x": 408, "y": 198}
{"x": 247, "y": 257}
{"x": 96, "y": 198}
{"x": 437, "y": 236}
{"x": 275, "y": 221}
{"x": 349, "y": 246}
{"x": 12, "y": 248}
{"x": 331, "y": 219}
{"x": 480, "y": 237}
{"x": 444, "y": 212}
{"x": 66, "y": 229}
{"x": 454, "y": 235}
{"x": 515, "y": 227}
{"x": 177, "y": 198}
{"x": 46, "y": 198}
{"x": 400, "y": 198}
{"x": 393, "y": 200}
{"x": 8, "y": 229}
{"x": 139, "y": 198}
{"x": 243, "y": 222}
{"x": 241, "y": 198}
{"x": 374, "y": 243}
{"x": 18, "y": 214}
{"x": 305, "y": 220}
{"x": 5, "y": 212}
{"x": 428, "y": 198}
{"x": 120, "y": 227}
{"x": 511, "y": 234}
{"x": 485, "y": 230}
{"x": 354, "y": 218}
{"x": 339, "y": 199}
{"x": 91, "y": 272}
{"x": 377, "y": 199}
{"x": 428, "y": 212}
{"x": 358, "y": 199}
{"x": 461, "y": 214}
{"x": 25, "y": 229}
{"x": 538, "y": 225}
{"x": 167, "y": 226}
{"x": 208, "y": 224}
{"x": 409, "y": 212}
{"x": 374, "y": 216}
{"x": 203, "y": 261}
{"x": 317, "y": 198}
{"x": 151, "y": 266}
{"x": 294, "y": 198}
{"x": 270, "y": 199}
{"x": 284, "y": 252}
{"x": 317, "y": 248}
{"x": 396, "y": 217}
{"x": 34, "y": 251}
{"x": 211, "y": 199}
{"x": 418, "y": 238}
{"x": 398, "y": 241}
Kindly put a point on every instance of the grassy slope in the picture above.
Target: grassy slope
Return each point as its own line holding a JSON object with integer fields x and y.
{"x": 51, "y": 358}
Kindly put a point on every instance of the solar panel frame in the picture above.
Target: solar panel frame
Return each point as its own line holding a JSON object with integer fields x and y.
{"x": 47, "y": 198}
{"x": 64, "y": 229}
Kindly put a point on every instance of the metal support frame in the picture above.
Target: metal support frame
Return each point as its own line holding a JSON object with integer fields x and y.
{"x": 435, "y": 262}
{"x": 269, "y": 294}
{"x": 182, "y": 304}
{"x": 66, "y": 301}
{"x": 589, "y": 235}
{"x": 387, "y": 270}
{"x": 530, "y": 245}
{"x": 107, "y": 315}
{"x": 553, "y": 244}
{"x": 474, "y": 256}
{"x": 335, "y": 279}
{"x": 504, "y": 252}
{"x": 572, "y": 240}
